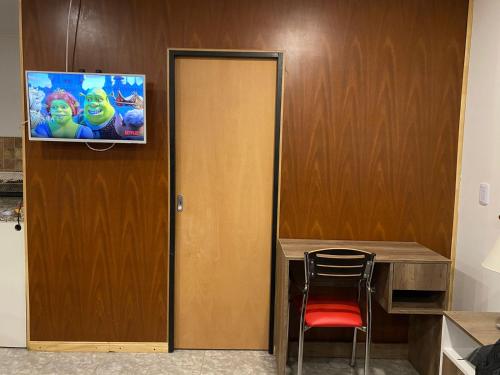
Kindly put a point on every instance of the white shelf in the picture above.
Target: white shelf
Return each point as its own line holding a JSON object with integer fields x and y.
{"x": 457, "y": 345}
{"x": 463, "y": 365}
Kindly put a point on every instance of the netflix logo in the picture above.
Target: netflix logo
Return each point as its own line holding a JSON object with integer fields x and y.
{"x": 132, "y": 132}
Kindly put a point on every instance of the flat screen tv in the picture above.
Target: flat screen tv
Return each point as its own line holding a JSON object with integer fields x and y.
{"x": 86, "y": 107}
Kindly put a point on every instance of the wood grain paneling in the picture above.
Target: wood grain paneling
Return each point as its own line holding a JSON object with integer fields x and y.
{"x": 98, "y": 220}
{"x": 370, "y": 133}
{"x": 371, "y": 114}
{"x": 449, "y": 367}
{"x": 224, "y": 143}
{"x": 424, "y": 343}
{"x": 123, "y": 347}
{"x": 421, "y": 276}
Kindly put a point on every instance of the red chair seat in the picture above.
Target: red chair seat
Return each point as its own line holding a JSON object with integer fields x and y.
{"x": 326, "y": 312}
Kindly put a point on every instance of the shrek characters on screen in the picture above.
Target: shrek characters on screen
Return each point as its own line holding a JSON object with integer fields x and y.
{"x": 98, "y": 120}
{"x": 100, "y": 116}
{"x": 105, "y": 122}
{"x": 61, "y": 107}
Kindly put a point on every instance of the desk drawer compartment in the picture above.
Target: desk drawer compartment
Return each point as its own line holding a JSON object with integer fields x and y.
{"x": 449, "y": 368}
{"x": 420, "y": 276}
{"x": 418, "y": 302}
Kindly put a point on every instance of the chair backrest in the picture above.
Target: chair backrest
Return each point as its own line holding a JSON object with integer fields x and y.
{"x": 338, "y": 265}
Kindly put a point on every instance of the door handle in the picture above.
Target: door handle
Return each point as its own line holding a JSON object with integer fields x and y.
{"x": 180, "y": 202}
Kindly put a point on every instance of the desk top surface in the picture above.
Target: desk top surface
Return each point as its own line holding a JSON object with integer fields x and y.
{"x": 478, "y": 325}
{"x": 386, "y": 251}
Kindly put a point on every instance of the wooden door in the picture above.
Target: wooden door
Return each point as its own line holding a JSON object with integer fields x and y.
{"x": 225, "y": 145}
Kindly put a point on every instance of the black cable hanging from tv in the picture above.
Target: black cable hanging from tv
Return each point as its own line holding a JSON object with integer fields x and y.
{"x": 73, "y": 59}
{"x": 19, "y": 208}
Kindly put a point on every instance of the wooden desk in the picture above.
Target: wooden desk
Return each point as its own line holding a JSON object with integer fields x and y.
{"x": 463, "y": 332}
{"x": 409, "y": 279}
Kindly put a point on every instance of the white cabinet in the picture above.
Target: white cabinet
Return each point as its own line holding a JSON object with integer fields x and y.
{"x": 457, "y": 346}
{"x": 463, "y": 332}
{"x": 12, "y": 286}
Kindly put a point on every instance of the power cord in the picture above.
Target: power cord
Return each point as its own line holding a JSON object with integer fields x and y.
{"x": 76, "y": 34}
{"x": 101, "y": 149}
{"x": 18, "y": 225}
{"x": 67, "y": 32}
{"x": 73, "y": 58}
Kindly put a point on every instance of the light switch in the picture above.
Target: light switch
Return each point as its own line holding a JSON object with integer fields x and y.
{"x": 484, "y": 194}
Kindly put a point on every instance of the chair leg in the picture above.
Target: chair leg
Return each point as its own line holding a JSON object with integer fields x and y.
{"x": 353, "y": 354}
{"x": 368, "y": 334}
{"x": 301, "y": 349}
{"x": 367, "y": 350}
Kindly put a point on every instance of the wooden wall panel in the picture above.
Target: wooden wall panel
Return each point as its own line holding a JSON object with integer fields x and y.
{"x": 97, "y": 232}
{"x": 370, "y": 131}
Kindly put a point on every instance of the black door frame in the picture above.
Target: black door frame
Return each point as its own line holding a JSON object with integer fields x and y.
{"x": 172, "y": 55}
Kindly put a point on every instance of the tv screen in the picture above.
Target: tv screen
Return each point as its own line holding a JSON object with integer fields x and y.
{"x": 86, "y": 107}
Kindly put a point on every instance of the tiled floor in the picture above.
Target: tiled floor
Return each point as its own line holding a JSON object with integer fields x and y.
{"x": 20, "y": 361}
{"x": 326, "y": 366}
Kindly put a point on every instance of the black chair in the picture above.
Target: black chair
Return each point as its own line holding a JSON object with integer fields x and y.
{"x": 338, "y": 268}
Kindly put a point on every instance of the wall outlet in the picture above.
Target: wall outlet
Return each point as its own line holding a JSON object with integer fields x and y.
{"x": 484, "y": 194}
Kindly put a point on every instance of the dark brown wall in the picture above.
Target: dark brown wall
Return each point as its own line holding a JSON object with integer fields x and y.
{"x": 371, "y": 114}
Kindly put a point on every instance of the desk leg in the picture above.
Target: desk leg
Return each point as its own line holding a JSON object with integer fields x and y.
{"x": 281, "y": 312}
{"x": 424, "y": 343}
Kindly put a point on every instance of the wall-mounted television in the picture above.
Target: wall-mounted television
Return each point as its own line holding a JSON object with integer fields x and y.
{"x": 86, "y": 107}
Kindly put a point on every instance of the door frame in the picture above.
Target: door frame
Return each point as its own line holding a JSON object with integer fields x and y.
{"x": 172, "y": 55}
